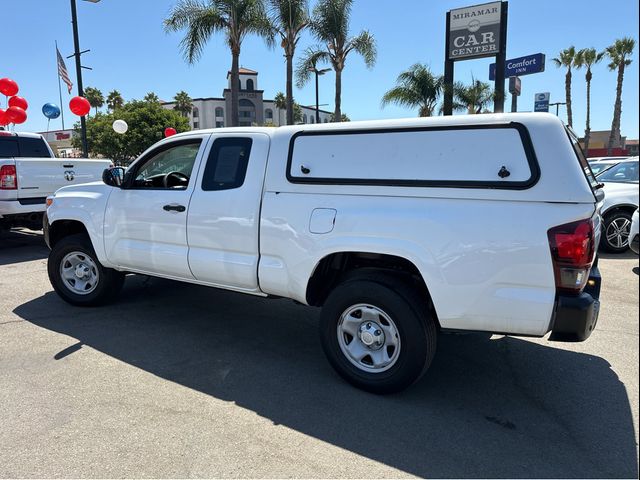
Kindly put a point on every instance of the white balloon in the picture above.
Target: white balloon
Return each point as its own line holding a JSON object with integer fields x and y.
{"x": 120, "y": 126}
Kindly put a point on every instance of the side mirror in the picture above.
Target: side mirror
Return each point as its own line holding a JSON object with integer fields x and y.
{"x": 113, "y": 177}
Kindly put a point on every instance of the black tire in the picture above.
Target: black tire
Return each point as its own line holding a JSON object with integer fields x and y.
{"x": 617, "y": 244}
{"x": 107, "y": 286}
{"x": 415, "y": 326}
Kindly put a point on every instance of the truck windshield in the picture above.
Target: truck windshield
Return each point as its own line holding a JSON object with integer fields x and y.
{"x": 582, "y": 159}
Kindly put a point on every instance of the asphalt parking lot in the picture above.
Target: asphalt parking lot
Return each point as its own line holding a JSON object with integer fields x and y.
{"x": 176, "y": 380}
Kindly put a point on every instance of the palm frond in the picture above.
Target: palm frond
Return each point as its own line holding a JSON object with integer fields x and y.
{"x": 365, "y": 45}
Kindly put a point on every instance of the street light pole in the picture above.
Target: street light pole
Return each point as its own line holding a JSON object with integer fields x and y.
{"x": 557, "y": 104}
{"x": 317, "y": 74}
{"x": 79, "y": 67}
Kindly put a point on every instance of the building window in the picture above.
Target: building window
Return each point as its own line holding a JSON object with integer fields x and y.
{"x": 195, "y": 112}
{"x": 249, "y": 84}
{"x": 313, "y": 120}
{"x": 268, "y": 114}
{"x": 247, "y": 112}
{"x": 196, "y": 125}
{"x": 219, "y": 124}
{"x": 304, "y": 118}
{"x": 326, "y": 120}
{"x": 219, "y": 112}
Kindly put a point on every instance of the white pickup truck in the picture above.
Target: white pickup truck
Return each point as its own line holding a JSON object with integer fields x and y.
{"x": 397, "y": 229}
{"x": 29, "y": 172}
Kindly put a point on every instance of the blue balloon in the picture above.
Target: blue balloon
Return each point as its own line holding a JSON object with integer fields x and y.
{"x": 51, "y": 110}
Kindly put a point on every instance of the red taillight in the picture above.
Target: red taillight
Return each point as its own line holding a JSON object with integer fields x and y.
{"x": 572, "y": 251}
{"x": 8, "y": 179}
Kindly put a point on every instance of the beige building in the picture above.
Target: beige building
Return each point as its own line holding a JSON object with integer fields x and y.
{"x": 254, "y": 109}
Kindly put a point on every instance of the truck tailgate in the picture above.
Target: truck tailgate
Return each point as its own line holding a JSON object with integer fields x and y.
{"x": 39, "y": 177}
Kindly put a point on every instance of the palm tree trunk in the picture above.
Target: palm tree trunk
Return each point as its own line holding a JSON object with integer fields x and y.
{"x": 567, "y": 88}
{"x": 289, "y": 89}
{"x": 617, "y": 111}
{"x": 235, "y": 86}
{"x": 338, "y": 111}
{"x": 587, "y": 130}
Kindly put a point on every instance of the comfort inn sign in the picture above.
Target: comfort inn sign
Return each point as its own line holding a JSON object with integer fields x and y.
{"x": 474, "y": 31}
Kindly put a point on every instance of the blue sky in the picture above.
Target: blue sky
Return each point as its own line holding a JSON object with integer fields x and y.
{"x": 130, "y": 52}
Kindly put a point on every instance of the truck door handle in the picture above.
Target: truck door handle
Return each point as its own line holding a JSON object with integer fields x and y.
{"x": 175, "y": 208}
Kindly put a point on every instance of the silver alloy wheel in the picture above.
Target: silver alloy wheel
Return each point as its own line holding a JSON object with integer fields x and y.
{"x": 368, "y": 338}
{"x": 618, "y": 232}
{"x": 79, "y": 273}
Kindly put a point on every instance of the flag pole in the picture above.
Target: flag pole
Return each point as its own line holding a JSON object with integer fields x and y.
{"x": 59, "y": 87}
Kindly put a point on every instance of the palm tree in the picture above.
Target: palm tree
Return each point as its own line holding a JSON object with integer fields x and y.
{"x": 330, "y": 26}
{"x": 289, "y": 19}
{"x": 474, "y": 98}
{"x": 281, "y": 103}
{"x": 95, "y": 97}
{"x": 586, "y": 58}
{"x": 151, "y": 97}
{"x": 183, "y": 103}
{"x": 619, "y": 54}
{"x": 417, "y": 88}
{"x": 235, "y": 18}
{"x": 114, "y": 100}
{"x": 566, "y": 58}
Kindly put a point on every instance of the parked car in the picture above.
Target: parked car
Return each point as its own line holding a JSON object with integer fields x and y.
{"x": 605, "y": 159}
{"x": 396, "y": 229}
{"x": 621, "y": 200}
{"x": 602, "y": 165}
{"x": 29, "y": 172}
{"x": 633, "y": 233}
{"x": 623, "y": 171}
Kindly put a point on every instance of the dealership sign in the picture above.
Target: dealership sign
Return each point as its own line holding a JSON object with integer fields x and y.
{"x": 516, "y": 67}
{"x": 474, "y": 32}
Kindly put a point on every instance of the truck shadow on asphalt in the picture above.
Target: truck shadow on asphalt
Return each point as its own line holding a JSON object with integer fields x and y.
{"x": 18, "y": 246}
{"x": 502, "y": 407}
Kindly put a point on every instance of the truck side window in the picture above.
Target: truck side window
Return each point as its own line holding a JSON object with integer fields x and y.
{"x": 169, "y": 167}
{"x": 33, "y": 147}
{"x": 227, "y": 164}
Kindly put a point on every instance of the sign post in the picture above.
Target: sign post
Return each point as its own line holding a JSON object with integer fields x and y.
{"x": 515, "y": 86}
{"x": 476, "y": 32}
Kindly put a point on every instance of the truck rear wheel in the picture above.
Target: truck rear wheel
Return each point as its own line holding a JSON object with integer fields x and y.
{"x": 77, "y": 275}
{"x": 377, "y": 336}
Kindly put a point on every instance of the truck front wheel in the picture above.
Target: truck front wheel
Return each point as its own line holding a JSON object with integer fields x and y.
{"x": 77, "y": 275}
{"x": 377, "y": 335}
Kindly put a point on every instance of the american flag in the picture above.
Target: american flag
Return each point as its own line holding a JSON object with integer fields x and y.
{"x": 62, "y": 71}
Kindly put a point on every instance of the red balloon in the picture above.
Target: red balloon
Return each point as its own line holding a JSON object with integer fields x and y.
{"x": 80, "y": 106}
{"x": 16, "y": 115}
{"x": 18, "y": 102}
{"x": 4, "y": 120}
{"x": 169, "y": 131}
{"x": 8, "y": 87}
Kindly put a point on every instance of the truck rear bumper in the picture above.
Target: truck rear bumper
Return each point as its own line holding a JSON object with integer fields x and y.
{"x": 23, "y": 206}
{"x": 575, "y": 317}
